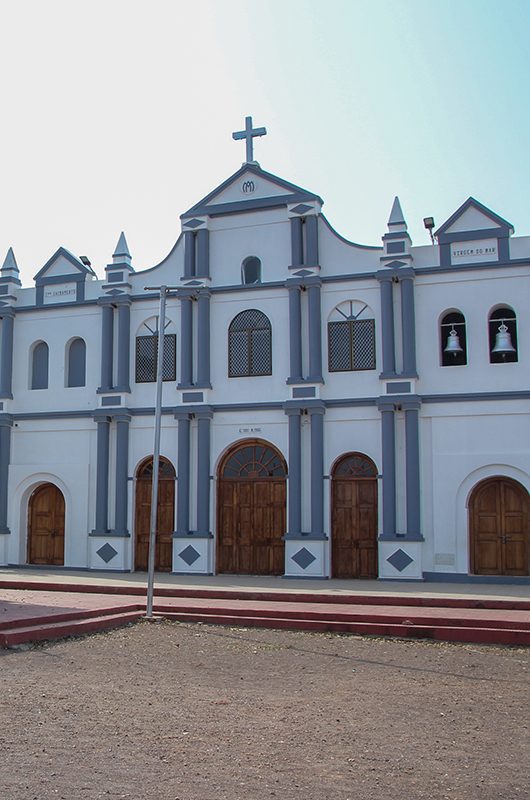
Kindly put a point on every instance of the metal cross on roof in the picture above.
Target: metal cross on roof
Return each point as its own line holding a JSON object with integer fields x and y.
{"x": 248, "y": 134}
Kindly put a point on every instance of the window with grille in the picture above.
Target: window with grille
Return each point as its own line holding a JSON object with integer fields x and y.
{"x": 351, "y": 345}
{"x": 249, "y": 345}
{"x": 147, "y": 358}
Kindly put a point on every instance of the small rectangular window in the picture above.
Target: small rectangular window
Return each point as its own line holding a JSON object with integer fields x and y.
{"x": 146, "y": 358}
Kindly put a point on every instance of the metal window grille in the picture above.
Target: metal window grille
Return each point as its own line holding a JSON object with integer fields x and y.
{"x": 147, "y": 356}
{"x": 249, "y": 345}
{"x": 351, "y": 345}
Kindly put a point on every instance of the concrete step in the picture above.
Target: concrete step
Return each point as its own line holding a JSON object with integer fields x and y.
{"x": 391, "y": 615}
{"x": 43, "y": 631}
{"x": 444, "y": 633}
{"x": 67, "y": 616}
{"x": 298, "y": 596}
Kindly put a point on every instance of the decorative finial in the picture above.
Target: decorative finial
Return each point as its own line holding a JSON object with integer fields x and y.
{"x": 248, "y": 134}
{"x": 396, "y": 215}
{"x": 10, "y": 262}
{"x": 122, "y": 248}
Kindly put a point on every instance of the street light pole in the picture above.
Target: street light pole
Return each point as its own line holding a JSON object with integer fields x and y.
{"x": 156, "y": 446}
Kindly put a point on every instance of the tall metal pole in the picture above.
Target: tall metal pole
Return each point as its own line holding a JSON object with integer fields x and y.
{"x": 156, "y": 448}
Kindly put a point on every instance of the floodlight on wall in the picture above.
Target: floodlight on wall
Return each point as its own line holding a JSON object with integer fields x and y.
{"x": 85, "y": 260}
{"x": 503, "y": 341}
{"x": 428, "y": 223}
{"x": 453, "y": 343}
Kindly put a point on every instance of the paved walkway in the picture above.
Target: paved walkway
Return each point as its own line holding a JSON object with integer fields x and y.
{"x": 251, "y": 583}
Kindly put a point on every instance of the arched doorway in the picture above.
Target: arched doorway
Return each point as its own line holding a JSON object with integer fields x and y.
{"x": 499, "y": 527}
{"x": 251, "y": 499}
{"x": 354, "y": 517}
{"x": 46, "y": 526}
{"x": 165, "y": 518}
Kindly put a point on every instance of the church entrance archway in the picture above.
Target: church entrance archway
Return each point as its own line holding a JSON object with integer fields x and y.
{"x": 499, "y": 515}
{"x": 165, "y": 517}
{"x": 46, "y": 526}
{"x": 251, "y": 502}
{"x": 354, "y": 517}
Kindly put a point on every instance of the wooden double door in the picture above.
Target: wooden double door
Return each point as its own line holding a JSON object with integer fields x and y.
{"x": 499, "y": 516}
{"x": 354, "y": 517}
{"x": 46, "y": 526}
{"x": 165, "y": 517}
{"x": 251, "y": 518}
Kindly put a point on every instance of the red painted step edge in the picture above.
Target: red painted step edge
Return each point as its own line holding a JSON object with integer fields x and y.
{"x": 49, "y": 631}
{"x": 416, "y": 618}
{"x": 66, "y": 616}
{"x": 439, "y": 633}
{"x": 276, "y": 596}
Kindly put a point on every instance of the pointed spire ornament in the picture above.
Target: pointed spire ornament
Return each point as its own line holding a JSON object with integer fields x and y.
{"x": 122, "y": 248}
{"x": 10, "y": 262}
{"x": 396, "y": 215}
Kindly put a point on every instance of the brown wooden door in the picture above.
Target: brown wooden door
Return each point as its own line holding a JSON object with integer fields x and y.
{"x": 251, "y": 502}
{"x": 499, "y": 528}
{"x": 165, "y": 516}
{"x": 354, "y": 518}
{"x": 46, "y": 526}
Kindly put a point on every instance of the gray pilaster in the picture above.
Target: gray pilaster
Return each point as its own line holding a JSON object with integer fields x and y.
{"x": 317, "y": 471}
{"x": 387, "y": 325}
{"x": 6, "y": 354}
{"x": 294, "y": 511}
{"x": 408, "y": 324}
{"x": 203, "y": 253}
{"x": 315, "y": 332}
{"x": 186, "y": 341}
{"x": 412, "y": 467}
{"x": 183, "y": 474}
{"x": 203, "y": 472}
{"x": 124, "y": 339}
{"x": 122, "y": 474}
{"x": 311, "y": 240}
{"x": 203, "y": 340}
{"x": 107, "y": 345}
{"x": 388, "y": 447}
{"x": 297, "y": 250}
{"x": 6, "y": 423}
{"x": 189, "y": 254}
{"x": 295, "y": 335}
{"x": 102, "y": 475}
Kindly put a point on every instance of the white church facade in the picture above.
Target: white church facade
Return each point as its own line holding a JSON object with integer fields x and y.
{"x": 329, "y": 409}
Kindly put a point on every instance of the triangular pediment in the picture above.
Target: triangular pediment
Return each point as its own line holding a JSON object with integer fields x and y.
{"x": 63, "y": 263}
{"x": 473, "y": 217}
{"x": 247, "y": 189}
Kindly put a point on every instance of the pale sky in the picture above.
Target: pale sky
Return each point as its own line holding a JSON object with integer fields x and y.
{"x": 118, "y": 114}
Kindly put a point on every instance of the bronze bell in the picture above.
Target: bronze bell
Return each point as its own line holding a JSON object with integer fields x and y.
{"x": 453, "y": 343}
{"x": 503, "y": 341}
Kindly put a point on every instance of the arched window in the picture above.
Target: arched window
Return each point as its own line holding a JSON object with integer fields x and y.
{"x": 147, "y": 352}
{"x": 503, "y": 335}
{"x": 76, "y": 363}
{"x": 249, "y": 345}
{"x": 39, "y": 366}
{"x": 251, "y": 270}
{"x": 351, "y": 337}
{"x": 453, "y": 339}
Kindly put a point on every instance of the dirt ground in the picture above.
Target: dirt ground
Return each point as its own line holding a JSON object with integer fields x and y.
{"x": 174, "y": 711}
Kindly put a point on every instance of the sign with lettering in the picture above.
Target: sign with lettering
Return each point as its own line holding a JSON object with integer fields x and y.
{"x": 479, "y": 250}
{"x": 60, "y": 293}
{"x": 251, "y": 429}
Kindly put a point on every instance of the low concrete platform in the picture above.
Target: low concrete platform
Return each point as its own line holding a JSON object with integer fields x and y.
{"x": 47, "y": 604}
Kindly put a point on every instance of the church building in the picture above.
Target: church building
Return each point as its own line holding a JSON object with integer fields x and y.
{"x": 329, "y": 409}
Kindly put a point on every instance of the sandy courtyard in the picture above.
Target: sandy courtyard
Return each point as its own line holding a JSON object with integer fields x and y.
{"x": 193, "y": 712}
